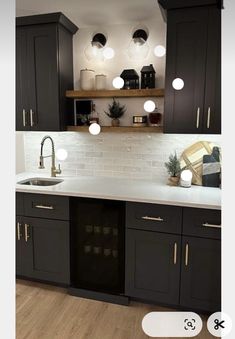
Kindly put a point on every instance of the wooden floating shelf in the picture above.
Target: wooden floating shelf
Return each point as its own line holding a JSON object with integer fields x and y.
{"x": 120, "y": 129}
{"x": 120, "y": 93}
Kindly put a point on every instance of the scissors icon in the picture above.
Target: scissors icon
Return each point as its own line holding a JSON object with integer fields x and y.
{"x": 218, "y": 324}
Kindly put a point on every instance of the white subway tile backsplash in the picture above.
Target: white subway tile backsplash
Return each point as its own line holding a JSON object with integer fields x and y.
{"x": 121, "y": 155}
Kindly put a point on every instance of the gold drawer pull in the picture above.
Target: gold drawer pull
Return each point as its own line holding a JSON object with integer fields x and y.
{"x": 198, "y": 117}
{"x": 175, "y": 253}
{"x": 186, "y": 254}
{"x": 152, "y": 218}
{"x": 24, "y": 117}
{"x": 206, "y": 224}
{"x": 26, "y": 226}
{"x": 44, "y": 207}
{"x": 19, "y": 235}
{"x": 208, "y": 117}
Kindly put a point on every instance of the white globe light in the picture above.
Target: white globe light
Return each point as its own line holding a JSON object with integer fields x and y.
{"x": 178, "y": 84}
{"x": 159, "y": 51}
{"x": 118, "y": 82}
{"x": 61, "y": 154}
{"x": 108, "y": 53}
{"x": 94, "y": 128}
{"x": 149, "y": 106}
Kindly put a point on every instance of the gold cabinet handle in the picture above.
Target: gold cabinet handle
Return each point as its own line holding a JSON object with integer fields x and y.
{"x": 19, "y": 235}
{"x": 31, "y": 118}
{"x": 175, "y": 253}
{"x": 26, "y": 235}
{"x": 186, "y": 254}
{"x": 152, "y": 218}
{"x": 198, "y": 117}
{"x": 45, "y": 207}
{"x": 206, "y": 224}
{"x": 208, "y": 117}
{"x": 24, "y": 117}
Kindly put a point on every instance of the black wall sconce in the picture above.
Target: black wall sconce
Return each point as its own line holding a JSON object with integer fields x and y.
{"x": 138, "y": 48}
{"x": 140, "y": 36}
{"x": 98, "y": 40}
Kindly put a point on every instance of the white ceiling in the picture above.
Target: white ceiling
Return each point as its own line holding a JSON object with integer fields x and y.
{"x": 86, "y": 13}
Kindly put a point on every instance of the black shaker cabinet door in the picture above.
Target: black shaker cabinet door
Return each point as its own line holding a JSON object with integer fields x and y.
{"x": 186, "y": 59}
{"x": 24, "y": 260}
{"x": 153, "y": 266}
{"x": 22, "y": 117}
{"x": 212, "y": 108}
{"x": 43, "y": 77}
{"x": 50, "y": 250}
{"x": 201, "y": 274}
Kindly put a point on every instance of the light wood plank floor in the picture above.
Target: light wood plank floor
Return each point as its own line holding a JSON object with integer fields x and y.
{"x": 48, "y": 312}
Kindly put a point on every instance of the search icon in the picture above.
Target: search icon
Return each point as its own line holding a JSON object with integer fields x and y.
{"x": 189, "y": 324}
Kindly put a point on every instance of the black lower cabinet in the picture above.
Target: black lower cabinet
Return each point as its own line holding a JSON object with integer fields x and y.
{"x": 201, "y": 274}
{"x": 42, "y": 249}
{"x": 24, "y": 262}
{"x": 153, "y": 266}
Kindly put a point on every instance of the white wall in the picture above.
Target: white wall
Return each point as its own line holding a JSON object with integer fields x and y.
{"x": 20, "y": 159}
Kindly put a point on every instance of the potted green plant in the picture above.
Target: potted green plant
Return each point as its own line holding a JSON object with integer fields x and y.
{"x": 173, "y": 168}
{"x": 116, "y": 111}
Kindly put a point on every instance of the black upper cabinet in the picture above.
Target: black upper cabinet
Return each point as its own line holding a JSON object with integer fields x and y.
{"x": 193, "y": 54}
{"x": 44, "y": 71}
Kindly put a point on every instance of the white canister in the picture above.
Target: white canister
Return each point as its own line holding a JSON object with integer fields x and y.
{"x": 100, "y": 81}
{"x": 87, "y": 79}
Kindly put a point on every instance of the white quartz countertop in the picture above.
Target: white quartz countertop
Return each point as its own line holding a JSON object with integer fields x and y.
{"x": 126, "y": 190}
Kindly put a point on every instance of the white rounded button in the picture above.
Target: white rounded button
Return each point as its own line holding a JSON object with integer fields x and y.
{"x": 219, "y": 324}
{"x": 172, "y": 324}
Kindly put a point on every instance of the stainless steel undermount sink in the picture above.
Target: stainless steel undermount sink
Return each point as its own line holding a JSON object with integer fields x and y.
{"x": 40, "y": 182}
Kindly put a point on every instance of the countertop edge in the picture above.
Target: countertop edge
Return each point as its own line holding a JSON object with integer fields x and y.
{"x": 123, "y": 198}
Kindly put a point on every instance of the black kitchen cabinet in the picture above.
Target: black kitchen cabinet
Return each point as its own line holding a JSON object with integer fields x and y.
{"x": 194, "y": 55}
{"x": 24, "y": 261}
{"x": 201, "y": 274}
{"x": 179, "y": 264}
{"x": 42, "y": 245}
{"x": 153, "y": 266}
{"x": 44, "y": 71}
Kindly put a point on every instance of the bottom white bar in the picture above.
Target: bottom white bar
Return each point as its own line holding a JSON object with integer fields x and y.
{"x": 172, "y": 324}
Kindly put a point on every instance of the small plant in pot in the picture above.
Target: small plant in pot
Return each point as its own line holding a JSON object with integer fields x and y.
{"x": 173, "y": 168}
{"x": 116, "y": 111}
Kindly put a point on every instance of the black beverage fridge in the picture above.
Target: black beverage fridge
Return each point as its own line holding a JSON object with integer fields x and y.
{"x": 98, "y": 249}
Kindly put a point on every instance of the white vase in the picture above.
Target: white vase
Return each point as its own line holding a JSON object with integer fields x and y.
{"x": 87, "y": 79}
{"x": 100, "y": 82}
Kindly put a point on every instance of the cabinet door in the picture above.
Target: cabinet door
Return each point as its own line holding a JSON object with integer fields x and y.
{"x": 50, "y": 249}
{"x": 186, "y": 59}
{"x": 44, "y": 110}
{"x": 201, "y": 274}
{"x": 22, "y": 117}
{"x": 212, "y": 120}
{"x": 153, "y": 266}
{"x": 24, "y": 261}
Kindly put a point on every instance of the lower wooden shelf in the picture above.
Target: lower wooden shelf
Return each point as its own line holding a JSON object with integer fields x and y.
{"x": 120, "y": 129}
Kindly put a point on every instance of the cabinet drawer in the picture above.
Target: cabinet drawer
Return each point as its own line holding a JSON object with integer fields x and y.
{"x": 46, "y": 206}
{"x": 151, "y": 217}
{"x": 202, "y": 223}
